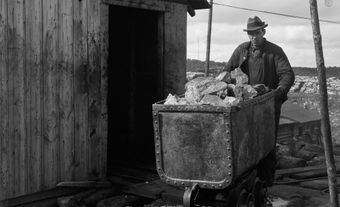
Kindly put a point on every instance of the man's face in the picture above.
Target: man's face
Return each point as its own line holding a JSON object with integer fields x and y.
{"x": 256, "y": 37}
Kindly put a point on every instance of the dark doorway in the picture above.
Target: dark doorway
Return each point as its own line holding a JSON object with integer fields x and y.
{"x": 134, "y": 84}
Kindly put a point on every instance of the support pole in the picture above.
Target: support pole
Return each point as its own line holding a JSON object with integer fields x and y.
{"x": 325, "y": 125}
{"x": 207, "y": 57}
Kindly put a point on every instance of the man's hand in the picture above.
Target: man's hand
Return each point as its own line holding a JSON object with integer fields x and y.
{"x": 261, "y": 89}
{"x": 281, "y": 94}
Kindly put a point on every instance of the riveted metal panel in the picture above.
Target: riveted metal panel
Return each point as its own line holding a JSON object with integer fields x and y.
{"x": 204, "y": 144}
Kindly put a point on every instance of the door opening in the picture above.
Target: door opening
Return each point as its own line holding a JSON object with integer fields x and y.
{"x": 134, "y": 84}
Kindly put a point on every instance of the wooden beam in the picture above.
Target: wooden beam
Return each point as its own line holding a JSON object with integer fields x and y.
{"x": 207, "y": 57}
{"x": 325, "y": 125}
{"x": 140, "y": 4}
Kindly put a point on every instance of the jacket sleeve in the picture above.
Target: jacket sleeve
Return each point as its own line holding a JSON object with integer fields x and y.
{"x": 233, "y": 61}
{"x": 284, "y": 72}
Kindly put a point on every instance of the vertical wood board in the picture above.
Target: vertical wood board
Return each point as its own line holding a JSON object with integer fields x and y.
{"x": 94, "y": 58}
{"x": 4, "y": 138}
{"x": 16, "y": 80}
{"x": 175, "y": 49}
{"x": 66, "y": 73}
{"x": 33, "y": 47}
{"x": 51, "y": 94}
{"x": 104, "y": 31}
{"x": 80, "y": 89}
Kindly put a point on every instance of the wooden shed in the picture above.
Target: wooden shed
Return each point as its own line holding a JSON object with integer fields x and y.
{"x": 298, "y": 122}
{"x": 77, "y": 80}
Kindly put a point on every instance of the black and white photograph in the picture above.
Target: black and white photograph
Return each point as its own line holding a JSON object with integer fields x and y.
{"x": 169, "y": 103}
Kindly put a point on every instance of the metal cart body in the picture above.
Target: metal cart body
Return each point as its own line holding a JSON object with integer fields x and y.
{"x": 211, "y": 146}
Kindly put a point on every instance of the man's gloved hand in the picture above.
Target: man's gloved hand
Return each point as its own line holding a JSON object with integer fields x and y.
{"x": 261, "y": 89}
{"x": 281, "y": 94}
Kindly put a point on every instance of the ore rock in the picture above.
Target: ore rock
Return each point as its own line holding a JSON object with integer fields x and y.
{"x": 224, "y": 76}
{"x": 171, "y": 100}
{"x": 239, "y": 76}
{"x": 214, "y": 87}
{"x": 248, "y": 92}
{"x": 212, "y": 100}
{"x": 230, "y": 101}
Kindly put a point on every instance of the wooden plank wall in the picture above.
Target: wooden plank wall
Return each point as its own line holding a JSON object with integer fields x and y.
{"x": 175, "y": 48}
{"x": 53, "y": 87}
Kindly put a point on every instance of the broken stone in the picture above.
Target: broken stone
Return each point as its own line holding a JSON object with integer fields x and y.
{"x": 192, "y": 95}
{"x": 244, "y": 92}
{"x": 182, "y": 101}
{"x": 194, "y": 87}
{"x": 220, "y": 93}
{"x": 199, "y": 82}
{"x": 214, "y": 87}
{"x": 212, "y": 100}
{"x": 230, "y": 101}
{"x": 224, "y": 76}
{"x": 239, "y": 76}
{"x": 171, "y": 100}
{"x": 248, "y": 92}
{"x": 198, "y": 87}
{"x": 238, "y": 92}
{"x": 230, "y": 90}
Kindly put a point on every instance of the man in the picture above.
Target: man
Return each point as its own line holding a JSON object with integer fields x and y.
{"x": 264, "y": 63}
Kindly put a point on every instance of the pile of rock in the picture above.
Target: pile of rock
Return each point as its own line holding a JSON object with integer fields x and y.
{"x": 299, "y": 154}
{"x": 227, "y": 89}
{"x": 310, "y": 85}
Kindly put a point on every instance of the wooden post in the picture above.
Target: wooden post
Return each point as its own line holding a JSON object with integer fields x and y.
{"x": 207, "y": 57}
{"x": 325, "y": 125}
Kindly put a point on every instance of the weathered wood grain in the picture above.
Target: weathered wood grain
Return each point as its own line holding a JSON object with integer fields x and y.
{"x": 174, "y": 49}
{"x": 149, "y": 4}
{"x": 34, "y": 71}
{"x": 51, "y": 87}
{"x": 104, "y": 30}
{"x": 81, "y": 89}
{"x": 17, "y": 133}
{"x": 94, "y": 60}
{"x": 66, "y": 93}
{"x": 4, "y": 138}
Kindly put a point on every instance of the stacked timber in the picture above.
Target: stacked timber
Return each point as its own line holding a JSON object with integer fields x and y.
{"x": 303, "y": 164}
{"x": 299, "y": 154}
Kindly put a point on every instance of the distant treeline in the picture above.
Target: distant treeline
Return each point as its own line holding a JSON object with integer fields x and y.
{"x": 194, "y": 65}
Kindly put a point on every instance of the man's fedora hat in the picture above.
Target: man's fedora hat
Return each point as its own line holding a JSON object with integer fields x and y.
{"x": 254, "y": 24}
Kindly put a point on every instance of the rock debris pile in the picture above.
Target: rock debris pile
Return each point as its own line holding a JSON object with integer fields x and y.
{"x": 310, "y": 84}
{"x": 227, "y": 89}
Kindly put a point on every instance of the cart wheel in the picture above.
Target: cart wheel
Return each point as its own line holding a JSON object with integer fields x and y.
{"x": 258, "y": 192}
{"x": 250, "y": 200}
{"x": 245, "y": 199}
{"x": 190, "y": 195}
{"x": 242, "y": 199}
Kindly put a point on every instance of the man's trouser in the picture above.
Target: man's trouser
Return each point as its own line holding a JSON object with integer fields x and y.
{"x": 266, "y": 167}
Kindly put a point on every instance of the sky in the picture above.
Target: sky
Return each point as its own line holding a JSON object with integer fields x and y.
{"x": 295, "y": 36}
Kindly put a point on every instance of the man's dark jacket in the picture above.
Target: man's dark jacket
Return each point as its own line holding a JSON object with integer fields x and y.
{"x": 277, "y": 69}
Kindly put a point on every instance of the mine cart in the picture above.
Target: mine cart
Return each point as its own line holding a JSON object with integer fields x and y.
{"x": 214, "y": 150}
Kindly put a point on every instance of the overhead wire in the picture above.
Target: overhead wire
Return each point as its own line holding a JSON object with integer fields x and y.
{"x": 275, "y": 13}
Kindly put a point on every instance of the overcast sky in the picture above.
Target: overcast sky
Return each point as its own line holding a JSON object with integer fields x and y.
{"x": 293, "y": 35}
